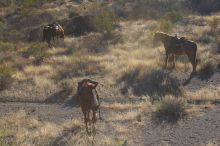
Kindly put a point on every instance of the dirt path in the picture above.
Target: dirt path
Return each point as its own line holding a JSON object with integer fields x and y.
{"x": 197, "y": 131}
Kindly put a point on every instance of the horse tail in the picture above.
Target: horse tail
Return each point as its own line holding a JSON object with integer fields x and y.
{"x": 44, "y": 35}
{"x": 195, "y": 54}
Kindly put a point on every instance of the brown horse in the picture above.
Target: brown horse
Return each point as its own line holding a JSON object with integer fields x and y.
{"x": 177, "y": 46}
{"x": 51, "y": 31}
{"x": 88, "y": 99}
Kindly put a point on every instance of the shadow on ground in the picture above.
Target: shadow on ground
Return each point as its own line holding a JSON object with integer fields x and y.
{"x": 154, "y": 83}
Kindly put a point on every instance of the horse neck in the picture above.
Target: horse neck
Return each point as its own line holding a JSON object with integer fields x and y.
{"x": 163, "y": 37}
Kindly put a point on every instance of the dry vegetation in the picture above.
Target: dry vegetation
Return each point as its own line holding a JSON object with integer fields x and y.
{"x": 121, "y": 58}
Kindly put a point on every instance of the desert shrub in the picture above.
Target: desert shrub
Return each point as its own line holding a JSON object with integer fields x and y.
{"x": 204, "y": 6}
{"x": 165, "y": 25}
{"x": 37, "y": 50}
{"x": 6, "y": 46}
{"x": 78, "y": 25}
{"x": 6, "y": 79}
{"x": 156, "y": 83}
{"x": 207, "y": 70}
{"x": 206, "y": 39}
{"x": 170, "y": 109}
{"x": 214, "y": 23}
{"x": 104, "y": 21}
{"x": 149, "y": 8}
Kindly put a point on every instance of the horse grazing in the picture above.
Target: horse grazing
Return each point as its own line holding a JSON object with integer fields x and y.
{"x": 177, "y": 46}
{"x": 88, "y": 99}
{"x": 51, "y": 31}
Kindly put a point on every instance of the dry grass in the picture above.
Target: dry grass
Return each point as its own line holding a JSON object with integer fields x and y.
{"x": 204, "y": 96}
{"x": 212, "y": 143}
{"x": 122, "y": 106}
{"x": 25, "y": 130}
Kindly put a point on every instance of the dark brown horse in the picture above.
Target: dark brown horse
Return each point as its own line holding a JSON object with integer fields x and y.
{"x": 177, "y": 46}
{"x": 88, "y": 99}
{"x": 51, "y": 31}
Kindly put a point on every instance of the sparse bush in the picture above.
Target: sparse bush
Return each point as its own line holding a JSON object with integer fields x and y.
{"x": 170, "y": 109}
{"x": 204, "y": 39}
{"x": 214, "y": 23}
{"x": 104, "y": 21}
{"x": 165, "y": 25}
{"x": 38, "y": 51}
{"x": 6, "y": 46}
{"x": 6, "y": 79}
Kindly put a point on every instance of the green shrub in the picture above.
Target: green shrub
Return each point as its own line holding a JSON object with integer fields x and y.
{"x": 6, "y": 46}
{"x": 170, "y": 109}
{"x": 165, "y": 25}
{"x": 37, "y": 50}
{"x": 104, "y": 21}
{"x": 6, "y": 79}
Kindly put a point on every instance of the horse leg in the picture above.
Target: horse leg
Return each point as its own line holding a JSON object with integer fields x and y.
{"x": 85, "y": 120}
{"x": 48, "y": 42}
{"x": 166, "y": 60}
{"x": 94, "y": 116}
{"x": 192, "y": 59}
{"x": 173, "y": 60}
{"x": 100, "y": 114}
